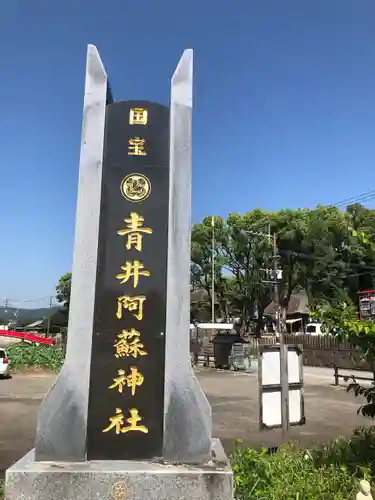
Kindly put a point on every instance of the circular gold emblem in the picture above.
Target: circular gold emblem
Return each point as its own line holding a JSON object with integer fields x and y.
{"x": 135, "y": 187}
{"x": 119, "y": 491}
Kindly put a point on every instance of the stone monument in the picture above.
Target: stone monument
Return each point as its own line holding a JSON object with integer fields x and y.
{"x": 126, "y": 417}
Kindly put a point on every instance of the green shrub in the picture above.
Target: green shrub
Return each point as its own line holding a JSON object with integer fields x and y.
{"x": 357, "y": 454}
{"x": 26, "y": 355}
{"x": 289, "y": 474}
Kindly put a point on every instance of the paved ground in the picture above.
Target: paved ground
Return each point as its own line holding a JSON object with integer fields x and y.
{"x": 330, "y": 411}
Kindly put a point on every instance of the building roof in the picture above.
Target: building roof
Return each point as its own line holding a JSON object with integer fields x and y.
{"x": 36, "y": 324}
{"x": 200, "y": 295}
{"x": 298, "y": 304}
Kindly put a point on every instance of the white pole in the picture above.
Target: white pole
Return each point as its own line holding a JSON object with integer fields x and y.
{"x": 213, "y": 271}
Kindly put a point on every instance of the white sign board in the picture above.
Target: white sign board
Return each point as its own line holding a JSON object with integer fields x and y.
{"x": 270, "y": 386}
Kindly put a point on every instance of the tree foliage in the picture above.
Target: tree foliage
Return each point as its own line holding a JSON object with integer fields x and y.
{"x": 343, "y": 320}
{"x": 325, "y": 252}
{"x": 63, "y": 289}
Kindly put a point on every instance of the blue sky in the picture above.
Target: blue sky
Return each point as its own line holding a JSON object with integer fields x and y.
{"x": 284, "y": 109}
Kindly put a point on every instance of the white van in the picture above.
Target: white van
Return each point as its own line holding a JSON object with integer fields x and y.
{"x": 314, "y": 329}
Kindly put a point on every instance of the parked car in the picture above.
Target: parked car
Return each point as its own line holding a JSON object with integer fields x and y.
{"x": 4, "y": 364}
{"x": 315, "y": 329}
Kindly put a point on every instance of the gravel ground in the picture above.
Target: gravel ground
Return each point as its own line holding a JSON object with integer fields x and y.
{"x": 330, "y": 411}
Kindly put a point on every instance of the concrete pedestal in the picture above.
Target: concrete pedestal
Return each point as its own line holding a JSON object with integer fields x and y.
{"x": 119, "y": 480}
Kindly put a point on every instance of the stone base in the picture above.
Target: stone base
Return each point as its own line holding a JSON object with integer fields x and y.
{"x": 119, "y": 480}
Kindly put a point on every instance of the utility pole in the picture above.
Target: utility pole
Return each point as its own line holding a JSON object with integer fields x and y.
{"x": 276, "y": 288}
{"x": 213, "y": 271}
{"x": 275, "y": 276}
{"x": 269, "y": 238}
{"x": 283, "y": 348}
{"x": 6, "y": 305}
{"x": 49, "y": 315}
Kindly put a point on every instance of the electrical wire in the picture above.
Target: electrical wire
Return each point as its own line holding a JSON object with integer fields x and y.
{"x": 352, "y": 275}
{"x": 10, "y": 303}
{"x": 361, "y": 198}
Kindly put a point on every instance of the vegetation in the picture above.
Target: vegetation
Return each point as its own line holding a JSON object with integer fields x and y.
{"x": 327, "y": 472}
{"x": 342, "y": 321}
{"x": 63, "y": 289}
{"x": 26, "y": 355}
{"x": 324, "y": 252}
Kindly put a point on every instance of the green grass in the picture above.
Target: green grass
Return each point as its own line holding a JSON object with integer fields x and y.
{"x": 26, "y": 356}
{"x": 328, "y": 472}
{"x": 288, "y": 475}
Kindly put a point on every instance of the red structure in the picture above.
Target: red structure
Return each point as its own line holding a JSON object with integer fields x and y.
{"x": 27, "y": 336}
{"x": 367, "y": 305}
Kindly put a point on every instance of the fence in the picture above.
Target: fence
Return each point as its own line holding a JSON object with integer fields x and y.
{"x": 324, "y": 351}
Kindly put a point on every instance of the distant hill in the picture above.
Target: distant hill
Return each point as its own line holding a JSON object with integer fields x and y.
{"x": 26, "y": 316}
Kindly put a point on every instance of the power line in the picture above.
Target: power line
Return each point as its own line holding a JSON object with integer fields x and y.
{"x": 352, "y": 275}
{"x": 16, "y": 303}
{"x": 311, "y": 256}
{"x": 331, "y": 278}
{"x": 47, "y": 297}
{"x": 363, "y": 197}
{"x": 366, "y": 196}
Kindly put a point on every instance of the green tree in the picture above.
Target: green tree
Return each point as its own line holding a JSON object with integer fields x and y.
{"x": 202, "y": 255}
{"x": 319, "y": 254}
{"x": 324, "y": 251}
{"x": 343, "y": 321}
{"x": 361, "y": 222}
{"x": 63, "y": 289}
{"x": 361, "y": 219}
{"x": 324, "y": 263}
{"x": 290, "y": 227}
{"x": 246, "y": 252}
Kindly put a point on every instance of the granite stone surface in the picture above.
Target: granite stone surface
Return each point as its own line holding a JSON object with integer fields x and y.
{"x": 187, "y": 413}
{"x": 119, "y": 480}
{"x": 62, "y": 422}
